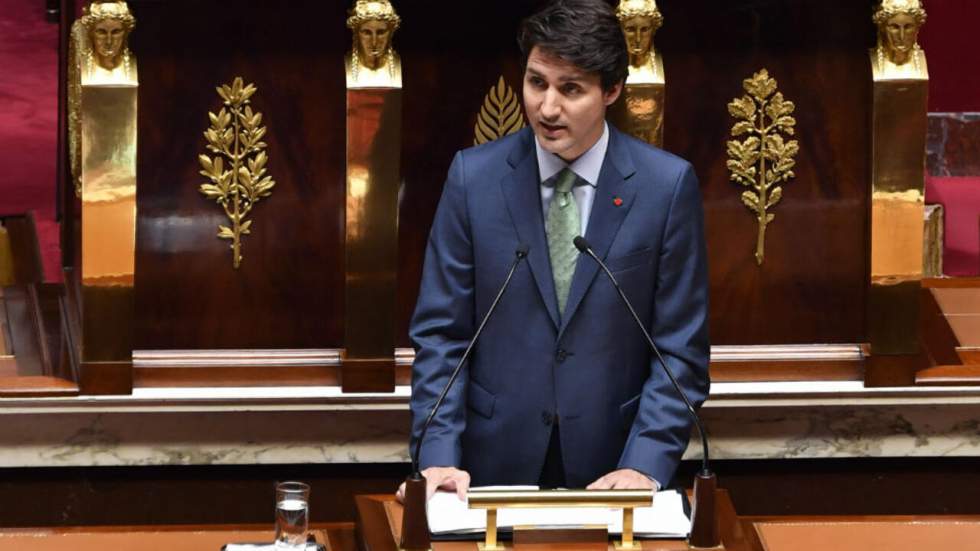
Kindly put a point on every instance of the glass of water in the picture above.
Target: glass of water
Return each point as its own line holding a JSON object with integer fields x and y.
{"x": 292, "y": 515}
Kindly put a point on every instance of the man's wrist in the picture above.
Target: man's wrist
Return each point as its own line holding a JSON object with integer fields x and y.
{"x": 656, "y": 483}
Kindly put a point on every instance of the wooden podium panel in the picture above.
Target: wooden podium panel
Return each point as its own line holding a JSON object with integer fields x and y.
{"x": 379, "y": 519}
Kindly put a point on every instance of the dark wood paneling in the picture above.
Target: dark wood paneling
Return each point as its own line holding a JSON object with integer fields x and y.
{"x": 24, "y": 249}
{"x": 182, "y": 495}
{"x": 288, "y": 292}
{"x": 53, "y": 496}
{"x": 452, "y": 57}
{"x": 776, "y": 370}
{"x": 811, "y": 287}
{"x": 239, "y": 375}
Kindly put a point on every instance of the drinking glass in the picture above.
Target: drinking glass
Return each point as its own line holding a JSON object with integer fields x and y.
{"x": 292, "y": 515}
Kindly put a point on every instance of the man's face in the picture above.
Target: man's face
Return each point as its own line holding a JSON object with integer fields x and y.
{"x": 565, "y": 105}
{"x": 639, "y": 34}
{"x": 373, "y": 38}
{"x": 108, "y": 37}
{"x": 901, "y": 33}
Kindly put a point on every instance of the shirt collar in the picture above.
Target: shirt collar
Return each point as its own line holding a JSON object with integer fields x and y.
{"x": 587, "y": 166}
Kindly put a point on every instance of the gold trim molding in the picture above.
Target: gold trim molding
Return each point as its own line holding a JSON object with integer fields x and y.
{"x": 763, "y": 159}
{"x": 236, "y": 134}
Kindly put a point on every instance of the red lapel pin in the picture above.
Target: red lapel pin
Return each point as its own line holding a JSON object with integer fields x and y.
{"x": 618, "y": 201}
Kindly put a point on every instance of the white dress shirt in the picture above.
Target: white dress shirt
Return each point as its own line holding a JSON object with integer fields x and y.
{"x": 587, "y": 167}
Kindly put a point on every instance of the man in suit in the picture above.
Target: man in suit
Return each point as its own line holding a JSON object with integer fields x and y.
{"x": 562, "y": 390}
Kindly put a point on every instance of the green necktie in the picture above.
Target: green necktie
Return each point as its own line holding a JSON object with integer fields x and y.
{"x": 562, "y": 226}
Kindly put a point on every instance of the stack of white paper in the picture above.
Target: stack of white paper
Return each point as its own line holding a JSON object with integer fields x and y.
{"x": 664, "y": 519}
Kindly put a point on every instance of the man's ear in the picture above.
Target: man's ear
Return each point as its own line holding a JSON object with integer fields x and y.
{"x": 610, "y": 96}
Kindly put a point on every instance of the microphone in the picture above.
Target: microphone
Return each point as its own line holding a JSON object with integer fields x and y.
{"x": 415, "y": 527}
{"x": 519, "y": 255}
{"x": 704, "y": 531}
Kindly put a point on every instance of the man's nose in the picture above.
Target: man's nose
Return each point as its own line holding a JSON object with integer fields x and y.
{"x": 551, "y": 105}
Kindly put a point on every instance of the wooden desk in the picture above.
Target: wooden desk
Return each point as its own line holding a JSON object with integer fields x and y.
{"x": 335, "y": 536}
{"x": 861, "y": 533}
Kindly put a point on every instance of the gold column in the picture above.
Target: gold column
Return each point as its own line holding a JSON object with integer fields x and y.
{"x": 901, "y": 84}
{"x": 374, "y": 114}
{"x": 641, "y": 111}
{"x": 105, "y": 103}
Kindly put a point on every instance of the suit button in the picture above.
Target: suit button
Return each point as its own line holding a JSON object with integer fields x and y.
{"x": 546, "y": 418}
{"x": 561, "y": 355}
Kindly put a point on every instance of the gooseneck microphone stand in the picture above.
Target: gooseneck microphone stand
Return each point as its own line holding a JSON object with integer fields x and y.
{"x": 704, "y": 526}
{"x": 415, "y": 524}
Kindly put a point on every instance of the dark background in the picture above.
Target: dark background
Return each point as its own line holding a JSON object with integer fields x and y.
{"x": 289, "y": 291}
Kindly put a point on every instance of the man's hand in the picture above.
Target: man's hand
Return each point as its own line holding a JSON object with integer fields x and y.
{"x": 441, "y": 478}
{"x": 624, "y": 479}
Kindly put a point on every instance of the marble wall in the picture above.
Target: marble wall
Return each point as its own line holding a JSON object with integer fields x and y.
{"x": 744, "y": 420}
{"x": 953, "y": 144}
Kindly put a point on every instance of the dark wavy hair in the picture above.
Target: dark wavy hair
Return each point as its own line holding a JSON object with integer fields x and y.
{"x": 584, "y": 33}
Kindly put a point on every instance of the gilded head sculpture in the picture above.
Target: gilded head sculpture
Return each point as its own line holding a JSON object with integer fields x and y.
{"x": 108, "y": 25}
{"x": 898, "y": 24}
{"x": 640, "y": 20}
{"x": 373, "y": 23}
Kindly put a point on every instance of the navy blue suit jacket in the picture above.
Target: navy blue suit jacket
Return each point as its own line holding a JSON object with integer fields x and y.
{"x": 591, "y": 367}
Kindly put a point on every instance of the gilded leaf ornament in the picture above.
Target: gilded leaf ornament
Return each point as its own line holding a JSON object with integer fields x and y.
{"x": 236, "y": 172}
{"x": 500, "y": 115}
{"x": 762, "y": 159}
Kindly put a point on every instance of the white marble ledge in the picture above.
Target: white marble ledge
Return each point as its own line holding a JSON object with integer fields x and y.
{"x": 330, "y": 398}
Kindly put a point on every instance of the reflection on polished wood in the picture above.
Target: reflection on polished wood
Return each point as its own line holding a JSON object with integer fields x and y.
{"x": 373, "y": 181}
{"x": 932, "y": 247}
{"x": 6, "y": 258}
{"x": 108, "y": 226}
{"x": 640, "y": 112}
{"x": 897, "y": 213}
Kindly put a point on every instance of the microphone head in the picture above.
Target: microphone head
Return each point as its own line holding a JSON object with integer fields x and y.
{"x": 581, "y": 244}
{"x": 521, "y": 251}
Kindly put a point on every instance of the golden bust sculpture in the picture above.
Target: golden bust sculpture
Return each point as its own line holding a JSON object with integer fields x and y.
{"x": 898, "y": 55}
{"x": 640, "y": 20}
{"x": 98, "y": 55}
{"x": 372, "y": 61}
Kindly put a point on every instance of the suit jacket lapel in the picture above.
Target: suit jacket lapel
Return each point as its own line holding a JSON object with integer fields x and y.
{"x": 606, "y": 218}
{"x": 522, "y": 191}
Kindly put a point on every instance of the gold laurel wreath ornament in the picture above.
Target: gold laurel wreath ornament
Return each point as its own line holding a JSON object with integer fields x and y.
{"x": 236, "y": 135}
{"x": 763, "y": 159}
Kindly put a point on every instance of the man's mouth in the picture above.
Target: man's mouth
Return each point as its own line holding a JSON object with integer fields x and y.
{"x": 551, "y": 128}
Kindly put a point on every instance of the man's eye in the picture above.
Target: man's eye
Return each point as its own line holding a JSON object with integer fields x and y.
{"x": 571, "y": 90}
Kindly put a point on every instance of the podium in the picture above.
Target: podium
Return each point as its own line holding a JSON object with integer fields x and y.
{"x": 379, "y": 521}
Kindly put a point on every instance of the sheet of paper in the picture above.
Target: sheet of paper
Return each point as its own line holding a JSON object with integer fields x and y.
{"x": 665, "y": 518}
{"x": 263, "y": 547}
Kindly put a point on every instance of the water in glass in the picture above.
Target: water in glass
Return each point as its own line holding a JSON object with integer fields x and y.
{"x": 292, "y": 516}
